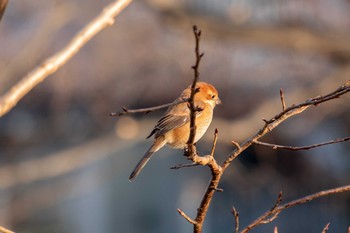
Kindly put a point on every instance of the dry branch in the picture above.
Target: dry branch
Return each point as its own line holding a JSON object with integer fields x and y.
{"x": 185, "y": 216}
{"x": 284, "y": 115}
{"x": 275, "y": 146}
{"x": 192, "y": 152}
{"x": 275, "y": 211}
{"x": 4, "y": 230}
{"x": 236, "y": 216}
{"x": 190, "y": 144}
{"x": 146, "y": 110}
{"x": 52, "y": 64}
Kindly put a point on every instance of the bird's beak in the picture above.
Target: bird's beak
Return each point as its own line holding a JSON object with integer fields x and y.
{"x": 217, "y": 101}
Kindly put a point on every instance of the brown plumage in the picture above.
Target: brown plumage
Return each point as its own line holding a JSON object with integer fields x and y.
{"x": 173, "y": 128}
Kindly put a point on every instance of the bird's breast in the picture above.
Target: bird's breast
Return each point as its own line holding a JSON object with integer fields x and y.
{"x": 177, "y": 138}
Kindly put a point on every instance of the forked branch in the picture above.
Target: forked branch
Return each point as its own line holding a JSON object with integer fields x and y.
{"x": 279, "y": 208}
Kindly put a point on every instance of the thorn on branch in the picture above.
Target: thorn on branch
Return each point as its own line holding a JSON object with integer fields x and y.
{"x": 266, "y": 121}
{"x": 219, "y": 190}
{"x": 236, "y": 144}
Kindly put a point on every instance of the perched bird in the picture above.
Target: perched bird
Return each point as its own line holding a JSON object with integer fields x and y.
{"x": 173, "y": 128}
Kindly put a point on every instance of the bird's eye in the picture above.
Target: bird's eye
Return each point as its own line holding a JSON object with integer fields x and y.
{"x": 212, "y": 96}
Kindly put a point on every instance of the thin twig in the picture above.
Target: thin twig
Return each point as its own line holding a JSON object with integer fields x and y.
{"x": 191, "y": 148}
{"x": 279, "y": 200}
{"x": 275, "y": 230}
{"x": 236, "y": 216}
{"x": 214, "y": 143}
{"x": 186, "y": 217}
{"x": 52, "y": 64}
{"x": 277, "y": 210}
{"x": 146, "y": 110}
{"x": 275, "y": 146}
{"x": 270, "y": 219}
{"x": 236, "y": 144}
{"x": 326, "y": 228}
{"x": 282, "y": 100}
{"x": 184, "y": 165}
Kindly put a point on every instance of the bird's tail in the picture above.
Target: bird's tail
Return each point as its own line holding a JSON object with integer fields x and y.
{"x": 154, "y": 148}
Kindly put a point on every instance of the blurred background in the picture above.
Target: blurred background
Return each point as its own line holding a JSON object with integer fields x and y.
{"x": 64, "y": 163}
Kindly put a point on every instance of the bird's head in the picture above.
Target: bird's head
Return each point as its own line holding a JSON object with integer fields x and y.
{"x": 208, "y": 94}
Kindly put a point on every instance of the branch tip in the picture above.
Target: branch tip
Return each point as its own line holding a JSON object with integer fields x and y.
{"x": 186, "y": 217}
{"x": 236, "y": 144}
{"x": 326, "y": 228}
{"x": 236, "y": 216}
{"x": 282, "y": 100}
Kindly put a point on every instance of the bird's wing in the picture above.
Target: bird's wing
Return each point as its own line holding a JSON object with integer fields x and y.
{"x": 175, "y": 117}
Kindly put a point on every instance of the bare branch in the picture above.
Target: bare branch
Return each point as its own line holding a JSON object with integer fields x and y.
{"x": 284, "y": 115}
{"x": 184, "y": 165}
{"x": 326, "y": 228}
{"x": 146, "y": 110}
{"x": 4, "y": 230}
{"x": 236, "y": 216}
{"x": 275, "y": 146}
{"x": 279, "y": 200}
{"x": 214, "y": 143}
{"x": 52, "y": 64}
{"x": 275, "y": 230}
{"x": 186, "y": 217}
{"x": 190, "y": 143}
{"x": 268, "y": 220}
{"x": 277, "y": 210}
{"x": 282, "y": 100}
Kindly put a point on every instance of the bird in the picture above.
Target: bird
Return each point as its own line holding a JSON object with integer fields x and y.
{"x": 173, "y": 128}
